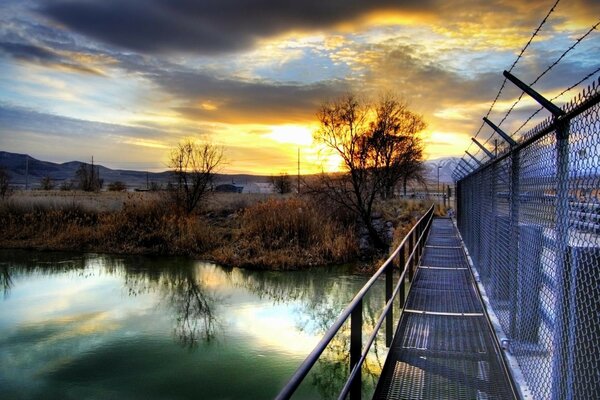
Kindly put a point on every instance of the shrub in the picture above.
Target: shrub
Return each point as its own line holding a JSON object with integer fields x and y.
{"x": 117, "y": 186}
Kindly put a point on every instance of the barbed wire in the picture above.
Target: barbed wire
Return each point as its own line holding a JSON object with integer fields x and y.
{"x": 548, "y": 69}
{"x": 588, "y": 76}
{"x": 533, "y": 35}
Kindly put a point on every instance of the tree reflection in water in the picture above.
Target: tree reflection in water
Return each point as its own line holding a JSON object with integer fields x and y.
{"x": 321, "y": 299}
{"x": 17, "y": 263}
{"x": 175, "y": 279}
{"x": 180, "y": 287}
{"x": 5, "y": 279}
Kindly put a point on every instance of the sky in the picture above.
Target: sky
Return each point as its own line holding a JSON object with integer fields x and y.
{"x": 125, "y": 80}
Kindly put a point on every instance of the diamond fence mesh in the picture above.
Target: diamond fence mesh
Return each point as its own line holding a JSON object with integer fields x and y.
{"x": 530, "y": 219}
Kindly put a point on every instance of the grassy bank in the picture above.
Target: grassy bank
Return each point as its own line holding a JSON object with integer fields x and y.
{"x": 254, "y": 231}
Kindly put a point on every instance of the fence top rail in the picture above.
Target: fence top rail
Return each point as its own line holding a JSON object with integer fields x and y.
{"x": 551, "y": 126}
{"x": 314, "y": 355}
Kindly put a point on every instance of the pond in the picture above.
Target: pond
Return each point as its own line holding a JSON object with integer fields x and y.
{"x": 92, "y": 326}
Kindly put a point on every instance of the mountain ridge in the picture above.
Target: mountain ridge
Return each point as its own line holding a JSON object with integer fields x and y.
{"x": 20, "y": 165}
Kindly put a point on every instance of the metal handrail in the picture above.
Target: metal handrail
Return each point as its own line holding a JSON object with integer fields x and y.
{"x": 416, "y": 239}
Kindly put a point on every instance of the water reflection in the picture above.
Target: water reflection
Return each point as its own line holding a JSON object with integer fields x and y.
{"x": 190, "y": 304}
{"x": 241, "y": 314}
{"x": 322, "y": 300}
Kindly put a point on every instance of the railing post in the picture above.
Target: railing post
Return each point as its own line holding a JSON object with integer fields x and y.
{"x": 356, "y": 348}
{"x": 418, "y": 246}
{"x": 389, "y": 288}
{"x": 412, "y": 263}
{"x": 402, "y": 295}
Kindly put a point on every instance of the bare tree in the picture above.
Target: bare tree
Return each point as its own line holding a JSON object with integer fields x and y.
{"x": 344, "y": 128}
{"x": 88, "y": 178}
{"x": 393, "y": 136}
{"x": 282, "y": 183}
{"x": 194, "y": 165}
{"x": 379, "y": 147}
{"x": 4, "y": 183}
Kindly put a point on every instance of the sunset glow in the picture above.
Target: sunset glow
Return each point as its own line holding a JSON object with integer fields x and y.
{"x": 250, "y": 78}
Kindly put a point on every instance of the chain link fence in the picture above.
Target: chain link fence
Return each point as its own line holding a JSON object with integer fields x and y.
{"x": 530, "y": 219}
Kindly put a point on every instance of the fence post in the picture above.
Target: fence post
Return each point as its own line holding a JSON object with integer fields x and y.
{"x": 583, "y": 380}
{"x": 417, "y": 245}
{"x": 513, "y": 252}
{"x": 389, "y": 318}
{"x": 563, "y": 273}
{"x": 411, "y": 264}
{"x": 356, "y": 348}
{"x": 529, "y": 277}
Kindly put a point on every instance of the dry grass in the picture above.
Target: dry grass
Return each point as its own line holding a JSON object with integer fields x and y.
{"x": 100, "y": 202}
{"x": 147, "y": 226}
{"x": 288, "y": 233}
{"x": 257, "y": 231}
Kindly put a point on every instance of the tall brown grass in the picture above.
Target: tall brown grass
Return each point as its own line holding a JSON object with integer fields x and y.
{"x": 138, "y": 227}
{"x": 288, "y": 233}
{"x": 273, "y": 232}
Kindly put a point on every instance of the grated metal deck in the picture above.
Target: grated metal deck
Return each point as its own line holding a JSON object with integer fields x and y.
{"x": 444, "y": 347}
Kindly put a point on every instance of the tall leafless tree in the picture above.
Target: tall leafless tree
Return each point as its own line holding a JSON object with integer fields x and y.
{"x": 344, "y": 128}
{"x": 194, "y": 165}
{"x": 378, "y": 145}
{"x": 88, "y": 178}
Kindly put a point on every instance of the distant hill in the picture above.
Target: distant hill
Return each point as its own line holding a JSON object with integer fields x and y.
{"x": 447, "y": 165}
{"x": 16, "y": 165}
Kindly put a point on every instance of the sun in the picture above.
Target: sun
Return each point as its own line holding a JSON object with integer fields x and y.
{"x": 298, "y": 135}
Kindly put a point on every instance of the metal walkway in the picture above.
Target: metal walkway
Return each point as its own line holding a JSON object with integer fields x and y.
{"x": 444, "y": 347}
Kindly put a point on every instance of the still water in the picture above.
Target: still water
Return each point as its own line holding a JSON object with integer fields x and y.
{"x": 111, "y": 327}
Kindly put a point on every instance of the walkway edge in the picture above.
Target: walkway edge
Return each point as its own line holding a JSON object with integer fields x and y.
{"x": 511, "y": 361}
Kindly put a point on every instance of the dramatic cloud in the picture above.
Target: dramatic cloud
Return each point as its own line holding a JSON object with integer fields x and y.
{"x": 44, "y": 56}
{"x": 138, "y": 75}
{"x": 209, "y": 26}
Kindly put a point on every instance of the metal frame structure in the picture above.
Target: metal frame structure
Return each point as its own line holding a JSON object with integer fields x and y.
{"x": 530, "y": 218}
{"x": 406, "y": 257}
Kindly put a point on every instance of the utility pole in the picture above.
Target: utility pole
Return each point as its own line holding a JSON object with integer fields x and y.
{"x": 147, "y": 181}
{"x": 298, "y": 170}
{"x": 26, "y": 172}
{"x": 438, "y": 179}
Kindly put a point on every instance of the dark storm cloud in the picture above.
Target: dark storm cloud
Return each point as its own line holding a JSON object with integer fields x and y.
{"x": 246, "y": 101}
{"x": 209, "y": 26}
{"x": 43, "y": 56}
{"x": 29, "y": 52}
